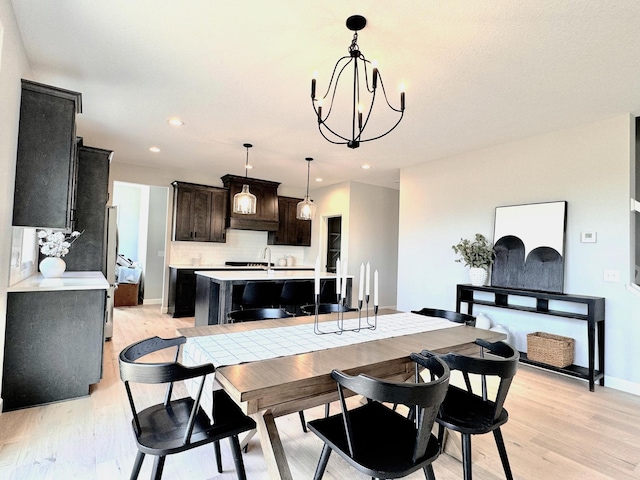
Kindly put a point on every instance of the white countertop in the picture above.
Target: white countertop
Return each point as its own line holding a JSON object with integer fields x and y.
{"x": 229, "y": 267}
{"x": 228, "y": 276}
{"x": 68, "y": 281}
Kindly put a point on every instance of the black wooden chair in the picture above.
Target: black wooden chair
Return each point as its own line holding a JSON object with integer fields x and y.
{"x": 260, "y": 294}
{"x": 377, "y": 440}
{"x": 449, "y": 315}
{"x": 471, "y": 413}
{"x": 177, "y": 425}
{"x": 251, "y": 314}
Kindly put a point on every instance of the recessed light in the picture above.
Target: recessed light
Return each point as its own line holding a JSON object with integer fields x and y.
{"x": 318, "y": 179}
{"x": 248, "y": 167}
{"x": 366, "y": 166}
{"x": 154, "y": 149}
{"x": 176, "y": 122}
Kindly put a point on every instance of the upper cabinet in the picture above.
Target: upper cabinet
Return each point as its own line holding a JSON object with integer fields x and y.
{"x": 92, "y": 194}
{"x": 45, "y": 184}
{"x": 266, "y": 192}
{"x": 199, "y": 213}
{"x": 291, "y": 231}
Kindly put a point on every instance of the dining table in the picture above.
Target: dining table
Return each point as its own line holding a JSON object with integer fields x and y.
{"x": 276, "y": 367}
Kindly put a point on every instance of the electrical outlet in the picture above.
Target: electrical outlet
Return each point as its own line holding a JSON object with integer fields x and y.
{"x": 611, "y": 275}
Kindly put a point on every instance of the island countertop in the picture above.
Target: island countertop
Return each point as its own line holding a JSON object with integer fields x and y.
{"x": 230, "y": 276}
{"x": 68, "y": 281}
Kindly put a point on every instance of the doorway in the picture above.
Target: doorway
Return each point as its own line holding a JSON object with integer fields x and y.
{"x": 334, "y": 242}
{"x": 142, "y": 227}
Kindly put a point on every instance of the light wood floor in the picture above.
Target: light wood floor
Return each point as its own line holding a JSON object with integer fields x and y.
{"x": 557, "y": 430}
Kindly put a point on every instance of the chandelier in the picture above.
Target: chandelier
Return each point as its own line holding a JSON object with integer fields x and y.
{"x": 361, "y": 76}
{"x": 306, "y": 209}
{"x": 245, "y": 202}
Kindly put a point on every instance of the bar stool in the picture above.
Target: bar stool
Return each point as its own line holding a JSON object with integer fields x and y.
{"x": 295, "y": 294}
{"x": 260, "y": 294}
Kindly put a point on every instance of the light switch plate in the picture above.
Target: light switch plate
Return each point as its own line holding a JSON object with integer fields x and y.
{"x": 588, "y": 237}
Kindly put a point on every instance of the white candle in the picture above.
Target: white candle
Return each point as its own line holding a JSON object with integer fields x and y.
{"x": 368, "y": 278}
{"x": 375, "y": 288}
{"x": 317, "y": 276}
{"x": 361, "y": 284}
{"x": 344, "y": 279}
{"x": 338, "y": 277}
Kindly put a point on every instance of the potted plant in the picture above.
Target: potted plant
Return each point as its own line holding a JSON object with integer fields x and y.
{"x": 478, "y": 255}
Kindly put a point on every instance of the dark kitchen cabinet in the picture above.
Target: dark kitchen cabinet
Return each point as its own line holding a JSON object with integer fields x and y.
{"x": 291, "y": 231}
{"x": 89, "y": 250}
{"x": 199, "y": 213}
{"x": 266, "y": 192}
{"x": 45, "y": 182}
{"x": 55, "y": 348}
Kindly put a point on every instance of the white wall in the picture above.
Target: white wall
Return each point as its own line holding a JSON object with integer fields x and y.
{"x": 589, "y": 167}
{"x": 369, "y": 231}
{"x": 13, "y": 67}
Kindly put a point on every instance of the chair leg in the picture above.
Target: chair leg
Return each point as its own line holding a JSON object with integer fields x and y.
{"x": 466, "y": 456}
{"x": 503, "y": 453}
{"x": 216, "y": 448}
{"x": 322, "y": 463}
{"x": 158, "y": 466}
{"x": 428, "y": 472}
{"x": 137, "y": 465}
{"x": 441, "y": 438}
{"x": 326, "y": 409}
{"x": 237, "y": 457}
{"x": 303, "y": 421}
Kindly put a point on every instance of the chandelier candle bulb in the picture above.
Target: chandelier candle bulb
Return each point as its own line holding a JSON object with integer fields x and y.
{"x": 361, "y": 284}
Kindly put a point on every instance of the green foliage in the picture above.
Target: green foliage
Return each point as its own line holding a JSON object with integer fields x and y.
{"x": 476, "y": 254}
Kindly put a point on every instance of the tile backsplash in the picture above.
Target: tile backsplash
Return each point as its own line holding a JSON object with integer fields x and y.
{"x": 241, "y": 246}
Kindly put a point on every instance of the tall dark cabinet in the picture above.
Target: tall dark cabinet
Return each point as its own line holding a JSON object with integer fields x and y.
{"x": 199, "y": 213}
{"x": 46, "y": 162}
{"x": 291, "y": 231}
{"x": 89, "y": 250}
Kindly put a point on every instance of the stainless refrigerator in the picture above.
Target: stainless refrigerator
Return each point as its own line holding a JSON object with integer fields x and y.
{"x": 110, "y": 266}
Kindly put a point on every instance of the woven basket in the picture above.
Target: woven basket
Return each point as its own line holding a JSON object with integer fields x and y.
{"x": 550, "y": 349}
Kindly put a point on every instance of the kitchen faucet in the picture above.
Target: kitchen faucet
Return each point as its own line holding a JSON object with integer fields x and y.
{"x": 266, "y": 254}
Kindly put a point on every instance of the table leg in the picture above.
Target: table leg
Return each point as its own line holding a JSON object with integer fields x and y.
{"x": 272, "y": 448}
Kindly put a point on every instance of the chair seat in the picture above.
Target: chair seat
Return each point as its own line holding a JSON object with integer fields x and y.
{"x": 163, "y": 428}
{"x": 467, "y": 413}
{"x": 383, "y": 441}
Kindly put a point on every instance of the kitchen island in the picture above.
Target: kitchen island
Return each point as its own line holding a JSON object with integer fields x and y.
{"x": 218, "y": 292}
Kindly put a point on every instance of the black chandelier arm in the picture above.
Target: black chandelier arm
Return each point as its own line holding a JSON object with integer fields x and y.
{"x": 386, "y": 99}
{"x": 345, "y": 142}
{"x": 333, "y": 95}
{"x": 388, "y": 131}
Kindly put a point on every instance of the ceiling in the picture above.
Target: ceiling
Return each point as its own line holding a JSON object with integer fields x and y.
{"x": 477, "y": 74}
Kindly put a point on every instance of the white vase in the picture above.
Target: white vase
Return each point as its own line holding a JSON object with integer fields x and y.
{"x": 478, "y": 276}
{"x": 482, "y": 321}
{"x": 52, "y": 267}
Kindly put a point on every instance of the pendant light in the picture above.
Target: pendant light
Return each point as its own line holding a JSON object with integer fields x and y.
{"x": 245, "y": 202}
{"x": 306, "y": 209}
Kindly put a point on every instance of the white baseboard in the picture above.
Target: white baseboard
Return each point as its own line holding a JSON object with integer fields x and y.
{"x": 152, "y": 301}
{"x": 623, "y": 385}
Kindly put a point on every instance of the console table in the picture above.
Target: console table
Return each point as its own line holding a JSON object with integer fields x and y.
{"x": 503, "y": 298}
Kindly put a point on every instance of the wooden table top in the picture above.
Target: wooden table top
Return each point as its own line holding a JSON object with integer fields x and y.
{"x": 287, "y": 384}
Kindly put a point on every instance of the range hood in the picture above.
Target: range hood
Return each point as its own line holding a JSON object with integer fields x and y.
{"x": 266, "y": 217}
